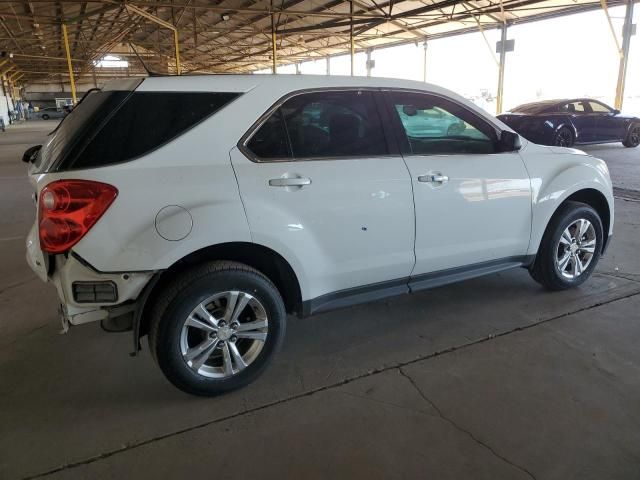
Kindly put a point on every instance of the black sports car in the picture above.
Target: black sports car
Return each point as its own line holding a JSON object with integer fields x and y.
{"x": 568, "y": 122}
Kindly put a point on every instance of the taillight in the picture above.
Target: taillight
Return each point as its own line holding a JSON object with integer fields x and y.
{"x": 68, "y": 209}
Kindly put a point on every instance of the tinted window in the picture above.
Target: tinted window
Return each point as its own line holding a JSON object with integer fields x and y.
{"x": 81, "y": 122}
{"x": 575, "y": 107}
{"x": 599, "y": 108}
{"x": 435, "y": 126}
{"x": 334, "y": 124}
{"x": 270, "y": 140}
{"x": 144, "y": 122}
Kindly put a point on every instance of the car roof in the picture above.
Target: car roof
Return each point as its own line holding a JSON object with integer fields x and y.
{"x": 246, "y": 83}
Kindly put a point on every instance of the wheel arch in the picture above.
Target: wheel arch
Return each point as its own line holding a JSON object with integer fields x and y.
{"x": 590, "y": 195}
{"x": 263, "y": 259}
{"x": 567, "y": 123}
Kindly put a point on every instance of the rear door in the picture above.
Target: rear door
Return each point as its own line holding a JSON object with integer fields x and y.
{"x": 473, "y": 204}
{"x": 585, "y": 121}
{"x": 321, "y": 186}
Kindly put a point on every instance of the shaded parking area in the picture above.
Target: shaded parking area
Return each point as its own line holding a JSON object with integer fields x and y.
{"x": 490, "y": 378}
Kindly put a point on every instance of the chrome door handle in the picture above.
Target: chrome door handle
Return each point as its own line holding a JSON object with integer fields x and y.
{"x": 289, "y": 182}
{"x": 433, "y": 178}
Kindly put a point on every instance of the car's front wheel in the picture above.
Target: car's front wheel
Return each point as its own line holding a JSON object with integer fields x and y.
{"x": 563, "y": 137}
{"x": 633, "y": 137}
{"x": 45, "y": 117}
{"x": 570, "y": 248}
{"x": 216, "y": 328}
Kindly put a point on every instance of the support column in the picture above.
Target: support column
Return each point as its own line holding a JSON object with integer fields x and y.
{"x": 273, "y": 44}
{"x": 369, "y": 65}
{"x": 71, "y": 79}
{"x": 351, "y": 43}
{"x": 328, "y": 65}
{"x": 424, "y": 62}
{"x": 503, "y": 57}
{"x": 624, "y": 54}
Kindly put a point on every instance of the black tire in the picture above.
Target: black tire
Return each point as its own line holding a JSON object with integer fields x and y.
{"x": 45, "y": 117}
{"x": 545, "y": 270}
{"x": 186, "y": 292}
{"x": 633, "y": 136}
{"x": 564, "y": 137}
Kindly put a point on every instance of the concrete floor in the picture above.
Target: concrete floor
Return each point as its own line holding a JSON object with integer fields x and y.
{"x": 491, "y": 378}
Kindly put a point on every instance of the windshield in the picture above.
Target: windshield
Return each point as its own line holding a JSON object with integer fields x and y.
{"x": 82, "y": 122}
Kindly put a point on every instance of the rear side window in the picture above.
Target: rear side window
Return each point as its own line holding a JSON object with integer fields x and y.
{"x": 144, "y": 122}
{"x": 322, "y": 125}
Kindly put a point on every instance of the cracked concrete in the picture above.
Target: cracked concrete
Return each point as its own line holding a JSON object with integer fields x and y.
{"x": 462, "y": 429}
{"x": 490, "y": 378}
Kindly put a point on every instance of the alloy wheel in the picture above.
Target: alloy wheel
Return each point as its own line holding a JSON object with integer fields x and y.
{"x": 576, "y": 248}
{"x": 564, "y": 138}
{"x": 634, "y": 136}
{"x": 224, "y": 334}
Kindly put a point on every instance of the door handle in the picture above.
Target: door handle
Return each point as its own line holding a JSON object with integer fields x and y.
{"x": 289, "y": 182}
{"x": 435, "y": 178}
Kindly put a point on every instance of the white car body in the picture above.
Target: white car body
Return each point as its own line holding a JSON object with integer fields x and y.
{"x": 363, "y": 228}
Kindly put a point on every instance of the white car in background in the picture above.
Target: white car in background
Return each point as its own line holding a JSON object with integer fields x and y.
{"x": 200, "y": 210}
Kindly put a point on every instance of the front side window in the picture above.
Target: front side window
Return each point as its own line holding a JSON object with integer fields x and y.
{"x": 270, "y": 140}
{"x": 435, "y": 126}
{"x": 597, "y": 107}
{"x": 322, "y": 125}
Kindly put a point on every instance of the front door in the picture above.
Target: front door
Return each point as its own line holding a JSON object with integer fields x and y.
{"x": 473, "y": 204}
{"x": 320, "y": 187}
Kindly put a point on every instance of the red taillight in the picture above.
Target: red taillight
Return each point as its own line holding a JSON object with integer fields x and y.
{"x": 67, "y": 210}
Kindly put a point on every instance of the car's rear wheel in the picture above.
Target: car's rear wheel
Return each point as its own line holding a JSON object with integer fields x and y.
{"x": 633, "y": 137}
{"x": 563, "y": 138}
{"x": 45, "y": 117}
{"x": 217, "y": 327}
{"x": 570, "y": 248}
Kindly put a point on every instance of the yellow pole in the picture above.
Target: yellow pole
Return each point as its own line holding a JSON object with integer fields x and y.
{"x": 175, "y": 39}
{"x": 159, "y": 21}
{"x": 71, "y": 79}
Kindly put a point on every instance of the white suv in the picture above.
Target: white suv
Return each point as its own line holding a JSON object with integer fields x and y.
{"x": 200, "y": 210}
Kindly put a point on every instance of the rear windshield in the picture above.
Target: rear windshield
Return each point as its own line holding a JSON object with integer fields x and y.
{"x": 114, "y": 127}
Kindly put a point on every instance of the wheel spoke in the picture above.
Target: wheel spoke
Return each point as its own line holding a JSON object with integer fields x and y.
{"x": 226, "y": 360}
{"x": 194, "y": 322}
{"x": 237, "y": 358}
{"x": 255, "y": 325}
{"x": 236, "y": 303}
{"x": 588, "y": 246}
{"x": 584, "y": 226}
{"x": 203, "y": 313}
{"x": 565, "y": 239}
{"x": 562, "y": 263}
{"x": 577, "y": 266}
{"x": 201, "y": 353}
{"x": 260, "y": 336}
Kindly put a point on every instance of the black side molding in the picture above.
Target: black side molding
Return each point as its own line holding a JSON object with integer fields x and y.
{"x": 392, "y": 288}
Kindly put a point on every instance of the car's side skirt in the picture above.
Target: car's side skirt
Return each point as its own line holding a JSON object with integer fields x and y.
{"x": 392, "y": 288}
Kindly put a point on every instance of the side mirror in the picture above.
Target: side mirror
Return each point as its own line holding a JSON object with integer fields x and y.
{"x": 616, "y": 112}
{"x": 509, "y": 141}
{"x": 30, "y": 153}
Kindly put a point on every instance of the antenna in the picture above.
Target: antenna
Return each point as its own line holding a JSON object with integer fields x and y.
{"x": 144, "y": 65}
